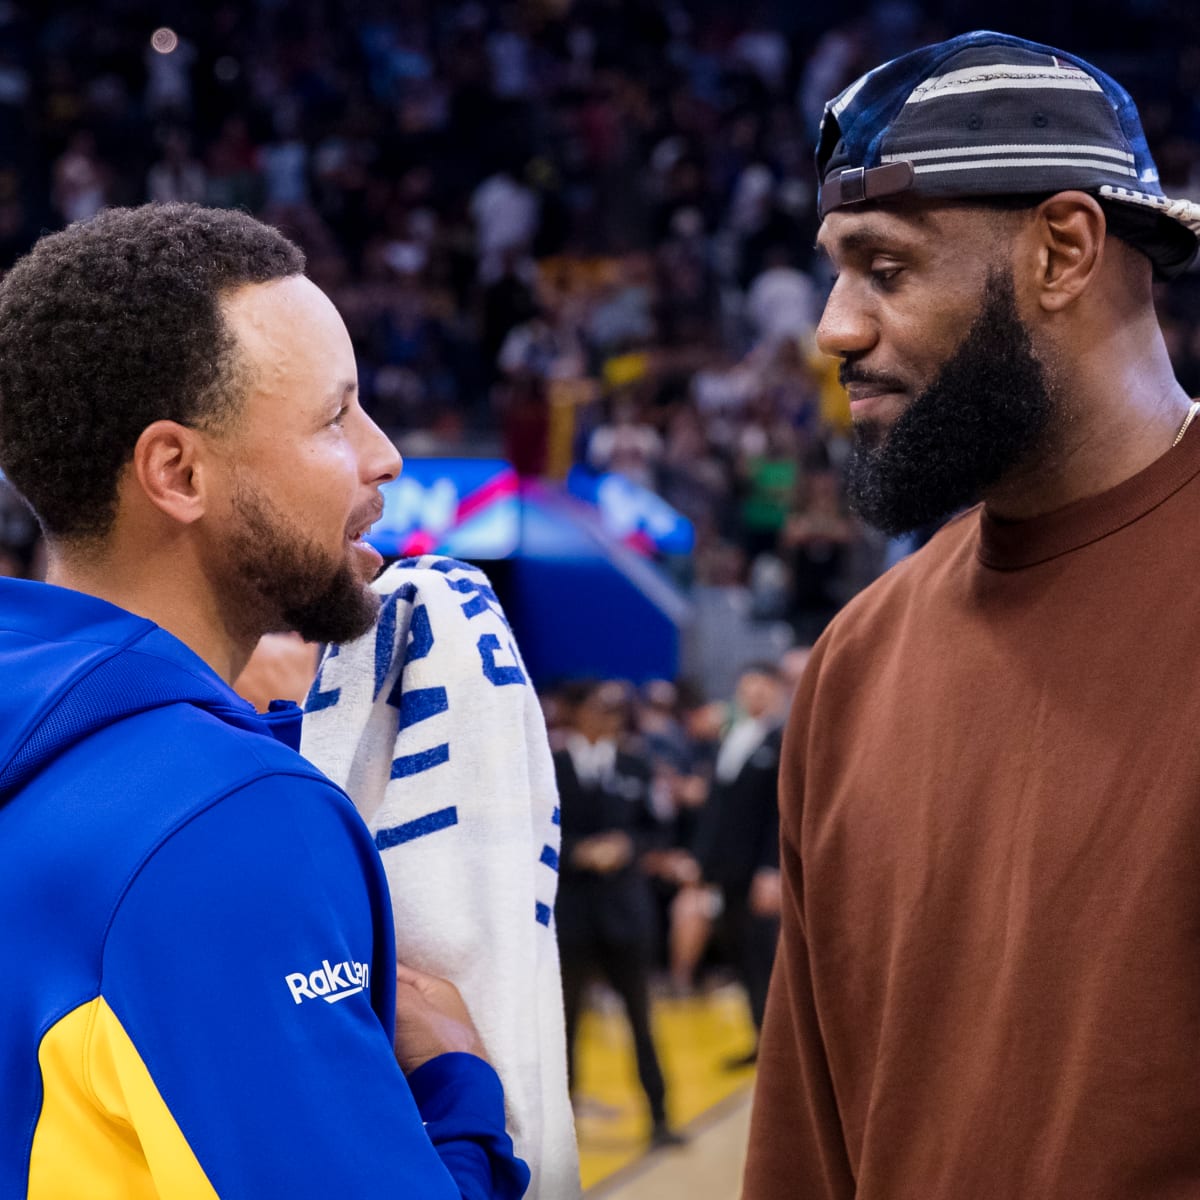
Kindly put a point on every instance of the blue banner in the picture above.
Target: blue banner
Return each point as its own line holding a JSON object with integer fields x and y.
{"x": 637, "y": 516}
{"x": 465, "y": 507}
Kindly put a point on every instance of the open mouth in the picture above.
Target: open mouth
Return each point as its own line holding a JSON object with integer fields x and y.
{"x": 364, "y": 521}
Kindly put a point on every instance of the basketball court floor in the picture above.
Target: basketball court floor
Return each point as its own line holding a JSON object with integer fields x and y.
{"x": 710, "y": 1103}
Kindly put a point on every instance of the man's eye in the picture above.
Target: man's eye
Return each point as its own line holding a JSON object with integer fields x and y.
{"x": 885, "y": 275}
{"x": 341, "y": 415}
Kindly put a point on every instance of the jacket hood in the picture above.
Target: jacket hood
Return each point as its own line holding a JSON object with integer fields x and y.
{"x": 72, "y": 664}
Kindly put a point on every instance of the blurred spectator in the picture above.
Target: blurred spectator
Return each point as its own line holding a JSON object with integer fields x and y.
{"x": 765, "y": 52}
{"x": 505, "y": 213}
{"x": 177, "y": 175}
{"x": 605, "y": 910}
{"x": 233, "y": 167}
{"x": 509, "y": 301}
{"x": 770, "y": 475}
{"x": 626, "y": 444}
{"x": 692, "y": 475}
{"x": 737, "y": 844}
{"x": 782, "y": 302}
{"x": 814, "y": 541}
{"x": 663, "y": 736}
{"x": 681, "y": 781}
{"x": 696, "y": 904}
{"x": 284, "y": 164}
{"x": 81, "y": 180}
{"x": 621, "y": 316}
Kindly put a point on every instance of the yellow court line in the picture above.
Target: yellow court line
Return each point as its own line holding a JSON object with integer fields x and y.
{"x": 694, "y": 1035}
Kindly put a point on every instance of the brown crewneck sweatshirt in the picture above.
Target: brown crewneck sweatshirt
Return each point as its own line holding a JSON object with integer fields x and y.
{"x": 988, "y": 982}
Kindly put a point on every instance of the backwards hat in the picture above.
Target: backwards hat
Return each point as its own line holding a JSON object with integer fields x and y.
{"x": 986, "y": 114}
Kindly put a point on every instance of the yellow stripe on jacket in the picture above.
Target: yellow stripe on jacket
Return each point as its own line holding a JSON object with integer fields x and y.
{"x": 104, "y": 1131}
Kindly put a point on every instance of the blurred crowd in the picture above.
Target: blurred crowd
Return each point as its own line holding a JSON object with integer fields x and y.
{"x": 669, "y": 866}
{"x": 566, "y": 231}
{"x": 687, "y": 822}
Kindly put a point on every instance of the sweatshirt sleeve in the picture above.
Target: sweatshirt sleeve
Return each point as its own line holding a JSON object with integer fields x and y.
{"x": 246, "y": 1020}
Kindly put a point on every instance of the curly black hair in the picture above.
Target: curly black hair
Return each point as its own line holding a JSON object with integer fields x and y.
{"x": 110, "y": 325}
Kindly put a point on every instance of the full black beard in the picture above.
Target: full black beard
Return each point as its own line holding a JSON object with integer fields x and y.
{"x": 278, "y": 580}
{"x": 985, "y": 413}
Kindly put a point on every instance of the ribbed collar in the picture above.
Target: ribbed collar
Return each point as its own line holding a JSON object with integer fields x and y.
{"x": 1011, "y": 545}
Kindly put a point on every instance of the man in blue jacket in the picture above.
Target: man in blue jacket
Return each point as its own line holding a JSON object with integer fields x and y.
{"x": 202, "y": 998}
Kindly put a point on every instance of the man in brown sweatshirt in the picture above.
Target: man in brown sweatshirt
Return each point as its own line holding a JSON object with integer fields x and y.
{"x": 988, "y": 981}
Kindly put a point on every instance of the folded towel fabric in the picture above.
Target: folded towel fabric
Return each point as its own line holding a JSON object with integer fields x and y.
{"x": 431, "y": 725}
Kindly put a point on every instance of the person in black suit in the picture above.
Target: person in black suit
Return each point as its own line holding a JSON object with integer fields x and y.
{"x": 605, "y": 911}
{"x": 737, "y": 842}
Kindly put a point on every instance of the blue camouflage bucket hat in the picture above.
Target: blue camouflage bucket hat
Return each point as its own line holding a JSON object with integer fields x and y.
{"x": 985, "y": 114}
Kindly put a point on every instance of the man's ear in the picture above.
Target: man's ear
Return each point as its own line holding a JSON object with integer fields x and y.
{"x": 169, "y": 464}
{"x": 1069, "y": 230}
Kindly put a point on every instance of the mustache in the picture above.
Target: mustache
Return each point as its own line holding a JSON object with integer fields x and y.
{"x": 848, "y": 373}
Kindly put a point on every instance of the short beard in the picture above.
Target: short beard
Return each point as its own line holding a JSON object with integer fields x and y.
{"x": 985, "y": 413}
{"x": 278, "y": 580}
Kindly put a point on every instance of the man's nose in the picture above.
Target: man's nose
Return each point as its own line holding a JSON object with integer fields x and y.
{"x": 847, "y": 327}
{"x": 381, "y": 460}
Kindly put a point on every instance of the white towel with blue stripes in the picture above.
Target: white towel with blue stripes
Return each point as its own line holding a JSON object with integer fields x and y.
{"x": 431, "y": 725}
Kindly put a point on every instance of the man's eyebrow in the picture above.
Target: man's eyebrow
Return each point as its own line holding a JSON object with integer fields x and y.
{"x": 344, "y": 390}
{"x": 870, "y": 236}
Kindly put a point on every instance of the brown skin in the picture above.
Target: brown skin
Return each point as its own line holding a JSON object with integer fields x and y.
{"x": 910, "y": 279}
{"x": 602, "y": 714}
{"x": 766, "y": 892}
{"x": 301, "y": 437}
{"x": 431, "y": 1019}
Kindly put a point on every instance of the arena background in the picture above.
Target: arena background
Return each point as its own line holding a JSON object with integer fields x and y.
{"x": 573, "y": 246}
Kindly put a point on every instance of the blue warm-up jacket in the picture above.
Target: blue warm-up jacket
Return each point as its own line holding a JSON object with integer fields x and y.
{"x": 197, "y": 945}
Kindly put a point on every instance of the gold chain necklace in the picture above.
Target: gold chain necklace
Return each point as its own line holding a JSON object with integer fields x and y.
{"x": 1191, "y": 416}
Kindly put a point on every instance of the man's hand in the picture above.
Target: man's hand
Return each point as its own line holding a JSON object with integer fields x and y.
{"x": 431, "y": 1019}
{"x": 675, "y": 866}
{"x": 603, "y": 852}
{"x": 766, "y": 893}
